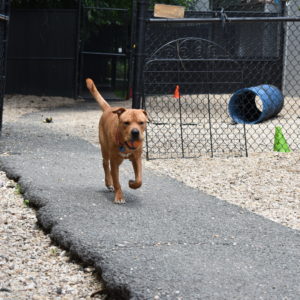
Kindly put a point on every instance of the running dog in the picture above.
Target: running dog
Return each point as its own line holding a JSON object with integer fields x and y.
{"x": 121, "y": 135}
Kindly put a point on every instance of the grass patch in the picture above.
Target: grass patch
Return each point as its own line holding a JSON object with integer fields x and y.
{"x": 18, "y": 189}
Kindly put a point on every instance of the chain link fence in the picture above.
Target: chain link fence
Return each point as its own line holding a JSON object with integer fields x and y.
{"x": 219, "y": 81}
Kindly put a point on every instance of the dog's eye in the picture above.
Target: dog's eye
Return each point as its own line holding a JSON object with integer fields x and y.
{"x": 126, "y": 123}
{"x": 141, "y": 123}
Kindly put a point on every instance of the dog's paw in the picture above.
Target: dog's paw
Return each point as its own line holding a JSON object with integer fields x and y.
{"x": 134, "y": 184}
{"x": 119, "y": 201}
{"x": 110, "y": 188}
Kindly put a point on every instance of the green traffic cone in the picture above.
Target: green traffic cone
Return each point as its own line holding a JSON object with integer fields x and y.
{"x": 280, "y": 144}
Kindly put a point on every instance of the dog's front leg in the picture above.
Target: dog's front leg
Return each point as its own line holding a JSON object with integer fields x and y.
{"x": 106, "y": 167}
{"x": 115, "y": 163}
{"x": 137, "y": 167}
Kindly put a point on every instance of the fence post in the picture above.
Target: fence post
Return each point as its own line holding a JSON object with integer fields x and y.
{"x": 139, "y": 53}
{"x": 3, "y": 44}
{"x": 77, "y": 53}
{"x": 131, "y": 49}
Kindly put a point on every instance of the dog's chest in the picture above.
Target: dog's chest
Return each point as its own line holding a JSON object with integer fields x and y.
{"x": 122, "y": 152}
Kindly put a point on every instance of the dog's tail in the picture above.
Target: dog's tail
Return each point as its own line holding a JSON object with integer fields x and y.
{"x": 95, "y": 93}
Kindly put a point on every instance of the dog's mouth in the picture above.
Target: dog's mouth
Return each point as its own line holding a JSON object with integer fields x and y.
{"x": 130, "y": 145}
{"x": 133, "y": 144}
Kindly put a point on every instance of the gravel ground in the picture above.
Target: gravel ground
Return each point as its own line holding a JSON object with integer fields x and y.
{"x": 31, "y": 266}
{"x": 267, "y": 184}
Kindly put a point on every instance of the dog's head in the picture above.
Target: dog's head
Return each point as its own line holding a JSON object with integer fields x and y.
{"x": 132, "y": 124}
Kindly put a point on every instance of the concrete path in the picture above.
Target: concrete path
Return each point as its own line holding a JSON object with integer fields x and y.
{"x": 168, "y": 242}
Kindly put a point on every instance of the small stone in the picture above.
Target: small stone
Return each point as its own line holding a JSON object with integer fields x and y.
{"x": 88, "y": 269}
{"x": 48, "y": 120}
{"x": 4, "y": 289}
{"x": 10, "y": 185}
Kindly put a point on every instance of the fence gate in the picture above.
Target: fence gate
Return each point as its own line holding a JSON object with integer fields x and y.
{"x": 188, "y": 69}
{"x": 4, "y": 19}
{"x": 186, "y": 120}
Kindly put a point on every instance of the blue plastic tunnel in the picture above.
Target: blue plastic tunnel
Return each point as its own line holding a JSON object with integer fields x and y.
{"x": 243, "y": 109}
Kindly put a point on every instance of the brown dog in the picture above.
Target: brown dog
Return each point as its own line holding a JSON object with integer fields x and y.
{"x": 121, "y": 135}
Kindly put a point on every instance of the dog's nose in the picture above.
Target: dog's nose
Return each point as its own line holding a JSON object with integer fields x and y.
{"x": 135, "y": 133}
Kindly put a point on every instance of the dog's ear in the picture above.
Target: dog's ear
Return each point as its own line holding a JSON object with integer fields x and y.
{"x": 119, "y": 111}
{"x": 145, "y": 113}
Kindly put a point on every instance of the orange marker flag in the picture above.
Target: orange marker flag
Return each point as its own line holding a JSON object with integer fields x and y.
{"x": 176, "y": 92}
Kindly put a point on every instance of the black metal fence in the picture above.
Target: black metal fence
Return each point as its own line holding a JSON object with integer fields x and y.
{"x": 104, "y": 55}
{"x": 42, "y": 52}
{"x": 52, "y": 50}
{"x": 4, "y": 20}
{"x": 219, "y": 81}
